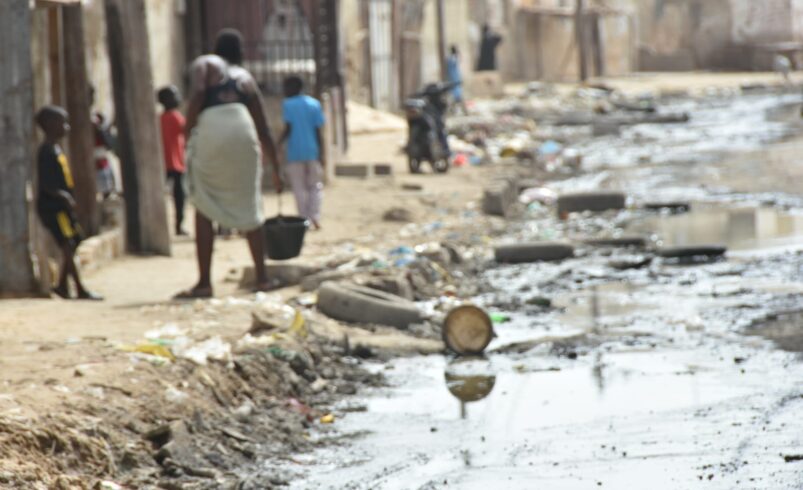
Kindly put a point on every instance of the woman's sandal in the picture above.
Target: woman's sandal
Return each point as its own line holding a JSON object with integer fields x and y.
{"x": 89, "y": 296}
{"x": 194, "y": 293}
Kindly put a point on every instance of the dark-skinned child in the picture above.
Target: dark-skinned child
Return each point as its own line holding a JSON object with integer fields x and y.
{"x": 56, "y": 201}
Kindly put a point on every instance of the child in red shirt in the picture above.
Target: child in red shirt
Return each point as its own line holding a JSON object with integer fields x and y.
{"x": 173, "y": 142}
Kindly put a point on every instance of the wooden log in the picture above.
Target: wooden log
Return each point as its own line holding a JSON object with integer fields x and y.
{"x": 82, "y": 141}
{"x": 139, "y": 145}
{"x": 16, "y": 125}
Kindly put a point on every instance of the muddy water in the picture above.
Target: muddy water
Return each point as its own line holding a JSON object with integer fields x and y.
{"x": 662, "y": 377}
{"x": 739, "y": 228}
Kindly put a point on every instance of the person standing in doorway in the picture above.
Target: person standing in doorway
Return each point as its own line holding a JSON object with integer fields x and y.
{"x": 173, "y": 126}
{"x": 490, "y": 41}
{"x": 456, "y": 77}
{"x": 303, "y": 133}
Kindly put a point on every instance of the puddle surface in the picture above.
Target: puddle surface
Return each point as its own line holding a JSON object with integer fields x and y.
{"x": 613, "y": 419}
{"x": 738, "y": 228}
{"x": 786, "y": 331}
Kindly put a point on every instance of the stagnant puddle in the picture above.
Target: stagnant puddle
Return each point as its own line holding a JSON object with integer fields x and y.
{"x": 675, "y": 419}
{"x": 785, "y": 330}
{"x": 739, "y": 228}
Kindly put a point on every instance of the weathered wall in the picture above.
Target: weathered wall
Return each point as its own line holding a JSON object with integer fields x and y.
{"x": 710, "y": 34}
{"x": 765, "y": 21}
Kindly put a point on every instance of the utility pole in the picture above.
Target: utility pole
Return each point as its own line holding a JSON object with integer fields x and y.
{"x": 139, "y": 146}
{"x": 441, "y": 19}
{"x": 579, "y": 32}
{"x": 82, "y": 141}
{"x": 16, "y": 125}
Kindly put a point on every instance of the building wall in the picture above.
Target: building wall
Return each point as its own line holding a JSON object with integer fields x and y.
{"x": 714, "y": 34}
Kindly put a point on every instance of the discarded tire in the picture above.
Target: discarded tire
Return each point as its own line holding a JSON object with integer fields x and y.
{"x": 467, "y": 330}
{"x": 356, "y": 304}
{"x": 689, "y": 252}
{"x": 532, "y": 252}
{"x": 590, "y": 201}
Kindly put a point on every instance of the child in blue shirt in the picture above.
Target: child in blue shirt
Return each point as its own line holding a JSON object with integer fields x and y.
{"x": 306, "y": 161}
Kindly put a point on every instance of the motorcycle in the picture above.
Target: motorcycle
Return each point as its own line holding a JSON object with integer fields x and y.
{"x": 427, "y": 139}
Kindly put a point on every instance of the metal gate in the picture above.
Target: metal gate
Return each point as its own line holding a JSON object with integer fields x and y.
{"x": 278, "y": 35}
{"x": 380, "y": 38}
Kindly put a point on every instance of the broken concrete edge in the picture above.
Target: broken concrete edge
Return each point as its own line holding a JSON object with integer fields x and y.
{"x": 100, "y": 250}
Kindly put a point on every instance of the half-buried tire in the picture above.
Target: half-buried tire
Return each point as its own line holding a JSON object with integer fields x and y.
{"x": 532, "y": 252}
{"x": 357, "y": 304}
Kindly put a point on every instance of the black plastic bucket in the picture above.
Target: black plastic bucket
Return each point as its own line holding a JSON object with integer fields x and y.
{"x": 284, "y": 236}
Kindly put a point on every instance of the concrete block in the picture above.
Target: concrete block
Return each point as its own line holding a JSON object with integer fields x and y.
{"x": 352, "y": 170}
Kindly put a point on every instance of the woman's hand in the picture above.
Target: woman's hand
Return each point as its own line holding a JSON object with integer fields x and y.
{"x": 277, "y": 182}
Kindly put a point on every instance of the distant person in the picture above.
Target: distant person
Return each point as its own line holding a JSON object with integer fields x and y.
{"x": 173, "y": 126}
{"x": 228, "y": 138}
{"x": 303, "y": 118}
{"x": 456, "y": 76}
{"x": 782, "y": 66}
{"x": 490, "y": 41}
{"x": 56, "y": 202}
{"x": 104, "y": 144}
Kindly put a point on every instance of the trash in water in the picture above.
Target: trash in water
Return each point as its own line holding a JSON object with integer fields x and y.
{"x": 498, "y": 318}
{"x": 328, "y": 419}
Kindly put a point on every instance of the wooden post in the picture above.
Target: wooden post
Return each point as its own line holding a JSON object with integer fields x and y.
{"x": 579, "y": 32}
{"x": 441, "y": 19}
{"x": 147, "y": 231}
{"x": 82, "y": 141}
{"x": 16, "y": 125}
{"x": 54, "y": 45}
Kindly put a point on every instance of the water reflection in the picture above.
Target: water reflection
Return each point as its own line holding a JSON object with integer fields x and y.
{"x": 469, "y": 380}
{"x": 738, "y": 228}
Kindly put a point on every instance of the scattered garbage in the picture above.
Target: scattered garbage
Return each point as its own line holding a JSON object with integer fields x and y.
{"x": 213, "y": 349}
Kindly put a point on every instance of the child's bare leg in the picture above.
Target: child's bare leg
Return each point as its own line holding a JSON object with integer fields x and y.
{"x": 71, "y": 269}
{"x": 256, "y": 243}
{"x": 62, "y": 289}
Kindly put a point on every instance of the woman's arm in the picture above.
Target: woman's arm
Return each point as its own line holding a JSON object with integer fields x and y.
{"x": 256, "y": 106}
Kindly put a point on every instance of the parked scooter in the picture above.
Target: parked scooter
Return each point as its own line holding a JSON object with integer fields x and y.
{"x": 427, "y": 139}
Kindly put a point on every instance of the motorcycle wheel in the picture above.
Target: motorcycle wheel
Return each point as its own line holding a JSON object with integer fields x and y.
{"x": 441, "y": 166}
{"x": 414, "y": 164}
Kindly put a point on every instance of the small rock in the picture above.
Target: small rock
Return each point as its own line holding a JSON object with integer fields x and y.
{"x": 398, "y": 215}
